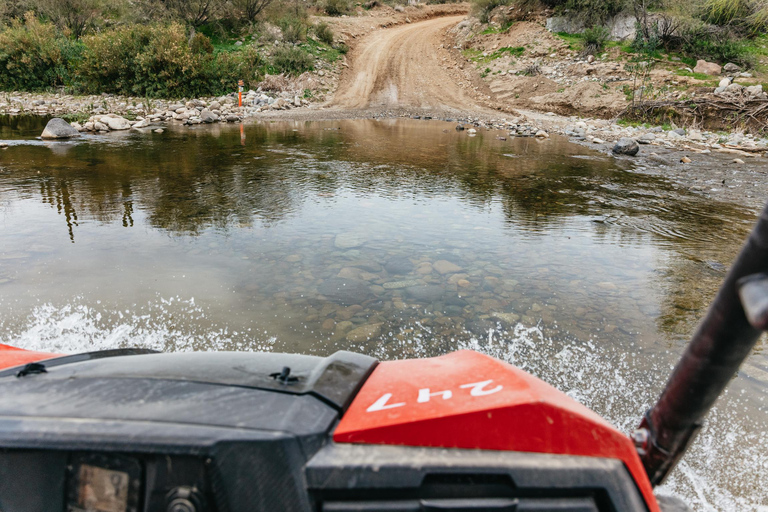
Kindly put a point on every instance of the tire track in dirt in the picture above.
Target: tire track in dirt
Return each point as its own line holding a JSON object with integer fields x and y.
{"x": 403, "y": 67}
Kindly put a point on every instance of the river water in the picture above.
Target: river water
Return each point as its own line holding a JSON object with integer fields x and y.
{"x": 396, "y": 238}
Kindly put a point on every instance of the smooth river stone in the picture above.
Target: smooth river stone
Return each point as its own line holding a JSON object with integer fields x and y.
{"x": 345, "y": 291}
{"x": 395, "y": 285}
{"x": 509, "y": 318}
{"x": 364, "y": 333}
{"x": 349, "y": 240}
{"x": 446, "y": 267}
{"x": 426, "y": 292}
{"x": 399, "y": 265}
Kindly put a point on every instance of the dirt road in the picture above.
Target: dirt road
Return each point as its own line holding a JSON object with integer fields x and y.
{"x": 401, "y": 67}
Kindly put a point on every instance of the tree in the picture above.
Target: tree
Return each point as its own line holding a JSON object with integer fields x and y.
{"x": 251, "y": 8}
{"x": 194, "y": 12}
{"x": 76, "y": 16}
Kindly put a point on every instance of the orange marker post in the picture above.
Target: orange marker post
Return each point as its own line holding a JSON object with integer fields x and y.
{"x": 240, "y": 85}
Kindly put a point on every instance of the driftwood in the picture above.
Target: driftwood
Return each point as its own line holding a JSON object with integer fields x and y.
{"x": 713, "y": 112}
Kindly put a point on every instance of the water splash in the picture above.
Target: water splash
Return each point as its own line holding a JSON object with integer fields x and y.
{"x": 166, "y": 324}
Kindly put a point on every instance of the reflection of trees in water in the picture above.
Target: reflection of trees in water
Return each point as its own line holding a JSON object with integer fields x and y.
{"x": 191, "y": 180}
{"x": 12, "y": 126}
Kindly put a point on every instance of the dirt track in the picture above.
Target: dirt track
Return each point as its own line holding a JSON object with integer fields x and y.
{"x": 403, "y": 67}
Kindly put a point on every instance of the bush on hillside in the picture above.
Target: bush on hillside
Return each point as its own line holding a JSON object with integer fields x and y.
{"x": 324, "y": 33}
{"x": 157, "y": 61}
{"x": 294, "y": 29}
{"x": 34, "y": 56}
{"x": 483, "y": 8}
{"x": 336, "y": 7}
{"x": 292, "y": 60}
{"x": 719, "y": 44}
{"x": 595, "y": 39}
{"x": 750, "y": 16}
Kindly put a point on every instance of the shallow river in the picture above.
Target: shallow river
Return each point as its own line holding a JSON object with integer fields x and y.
{"x": 393, "y": 238}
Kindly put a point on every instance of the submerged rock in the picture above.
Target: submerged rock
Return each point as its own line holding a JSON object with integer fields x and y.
{"x": 345, "y": 291}
{"x": 364, "y": 333}
{"x": 349, "y": 240}
{"x": 425, "y": 293}
{"x": 399, "y": 265}
{"x": 58, "y": 128}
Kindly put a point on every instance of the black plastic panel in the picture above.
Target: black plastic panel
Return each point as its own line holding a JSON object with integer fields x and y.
{"x": 335, "y": 379}
{"x": 374, "y": 478}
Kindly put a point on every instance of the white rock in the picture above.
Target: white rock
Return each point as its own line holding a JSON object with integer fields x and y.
{"x": 116, "y": 123}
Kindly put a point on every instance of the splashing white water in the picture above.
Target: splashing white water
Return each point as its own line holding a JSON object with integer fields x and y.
{"x": 171, "y": 325}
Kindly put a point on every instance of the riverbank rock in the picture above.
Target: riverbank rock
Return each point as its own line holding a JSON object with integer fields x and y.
{"x": 708, "y": 68}
{"x": 626, "y": 146}
{"x": 646, "y": 138}
{"x": 58, "y": 128}
{"x": 206, "y": 116}
{"x": 115, "y": 122}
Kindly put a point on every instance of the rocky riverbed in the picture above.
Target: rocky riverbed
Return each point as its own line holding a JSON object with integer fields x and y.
{"x": 105, "y": 113}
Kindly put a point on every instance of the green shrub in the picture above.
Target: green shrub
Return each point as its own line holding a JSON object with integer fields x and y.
{"x": 294, "y": 29}
{"x": 158, "y": 61}
{"x": 292, "y": 60}
{"x": 34, "y": 56}
{"x": 200, "y": 44}
{"x": 750, "y": 16}
{"x": 720, "y": 44}
{"x": 483, "y": 8}
{"x": 595, "y": 12}
{"x": 336, "y": 7}
{"x": 595, "y": 39}
{"x": 324, "y": 33}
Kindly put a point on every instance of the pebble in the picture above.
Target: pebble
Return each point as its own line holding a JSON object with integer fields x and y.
{"x": 685, "y": 160}
{"x": 446, "y": 267}
{"x": 364, "y": 333}
{"x": 395, "y": 285}
{"x": 349, "y": 240}
{"x": 738, "y": 161}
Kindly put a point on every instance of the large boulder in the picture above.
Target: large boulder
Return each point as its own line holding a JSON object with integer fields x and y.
{"x": 626, "y": 146}
{"x": 707, "y": 68}
{"x": 115, "y": 122}
{"x": 58, "y": 128}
